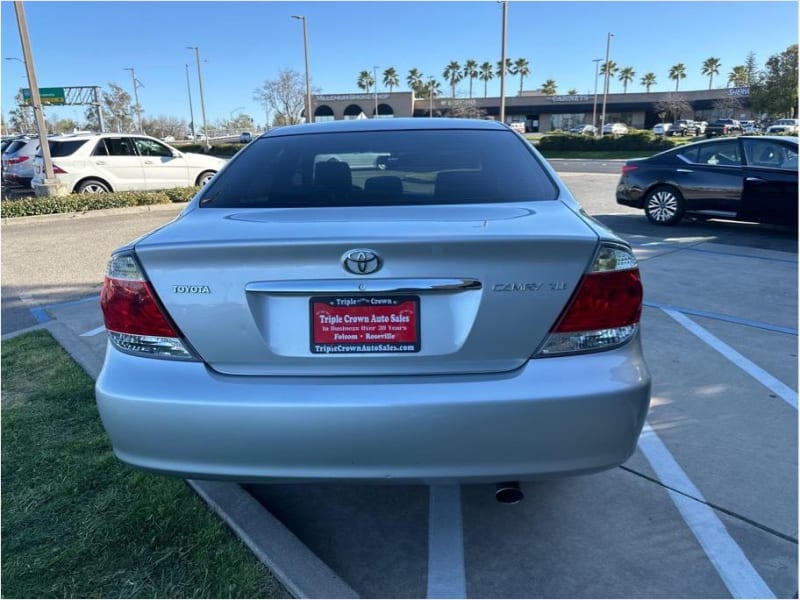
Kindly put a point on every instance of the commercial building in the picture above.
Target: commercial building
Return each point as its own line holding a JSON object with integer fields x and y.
{"x": 545, "y": 113}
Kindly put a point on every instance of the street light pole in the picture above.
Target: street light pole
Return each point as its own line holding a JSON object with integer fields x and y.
{"x": 137, "y": 108}
{"x": 605, "y": 87}
{"x": 596, "y": 62}
{"x": 202, "y": 99}
{"x": 309, "y": 112}
{"x": 375, "y": 77}
{"x": 503, "y": 65}
{"x": 50, "y": 185}
{"x": 191, "y": 110}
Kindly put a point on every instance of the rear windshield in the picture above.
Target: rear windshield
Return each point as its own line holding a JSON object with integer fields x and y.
{"x": 14, "y": 146}
{"x": 381, "y": 167}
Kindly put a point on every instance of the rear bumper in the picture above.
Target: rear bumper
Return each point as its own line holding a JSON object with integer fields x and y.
{"x": 554, "y": 416}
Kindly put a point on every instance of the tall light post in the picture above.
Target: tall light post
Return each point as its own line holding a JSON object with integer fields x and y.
{"x": 50, "y": 186}
{"x": 375, "y": 78}
{"x": 503, "y": 65}
{"x": 605, "y": 87}
{"x": 137, "y": 108}
{"x": 596, "y": 62}
{"x": 191, "y": 110}
{"x": 202, "y": 100}
{"x": 309, "y": 112}
{"x": 431, "y": 81}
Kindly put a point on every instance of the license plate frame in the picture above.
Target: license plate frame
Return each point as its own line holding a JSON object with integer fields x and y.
{"x": 353, "y": 324}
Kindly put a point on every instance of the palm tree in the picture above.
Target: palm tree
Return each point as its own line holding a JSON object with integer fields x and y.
{"x": 626, "y": 75}
{"x": 432, "y": 89}
{"x": 549, "y": 87}
{"x": 711, "y": 67}
{"x": 391, "y": 79}
{"x": 522, "y": 68}
{"x": 647, "y": 80}
{"x": 509, "y": 68}
{"x": 414, "y": 81}
{"x": 365, "y": 80}
{"x": 486, "y": 73}
{"x": 610, "y": 67}
{"x": 470, "y": 72}
{"x": 738, "y": 76}
{"x": 572, "y": 91}
{"x": 452, "y": 72}
{"x": 677, "y": 72}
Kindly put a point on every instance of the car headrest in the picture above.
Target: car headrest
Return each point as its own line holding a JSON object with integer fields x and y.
{"x": 334, "y": 174}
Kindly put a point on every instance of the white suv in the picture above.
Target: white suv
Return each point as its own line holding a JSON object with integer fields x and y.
{"x": 105, "y": 162}
{"x": 784, "y": 126}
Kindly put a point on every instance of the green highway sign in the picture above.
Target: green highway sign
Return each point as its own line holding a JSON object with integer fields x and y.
{"x": 53, "y": 95}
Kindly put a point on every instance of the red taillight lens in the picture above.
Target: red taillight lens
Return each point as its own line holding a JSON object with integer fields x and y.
{"x": 58, "y": 170}
{"x": 604, "y": 301}
{"x": 131, "y": 307}
{"x": 135, "y": 319}
{"x": 17, "y": 159}
{"x": 628, "y": 168}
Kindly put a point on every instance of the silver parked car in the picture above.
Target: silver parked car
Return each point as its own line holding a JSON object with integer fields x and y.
{"x": 452, "y": 314}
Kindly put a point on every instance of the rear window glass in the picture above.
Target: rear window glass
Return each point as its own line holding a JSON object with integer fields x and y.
{"x": 381, "y": 167}
{"x": 14, "y": 146}
{"x": 65, "y": 148}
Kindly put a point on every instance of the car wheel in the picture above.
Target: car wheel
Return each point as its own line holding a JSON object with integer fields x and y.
{"x": 664, "y": 206}
{"x": 205, "y": 177}
{"x": 92, "y": 186}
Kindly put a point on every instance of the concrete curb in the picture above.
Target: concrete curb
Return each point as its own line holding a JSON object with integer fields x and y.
{"x": 174, "y": 206}
{"x": 300, "y": 571}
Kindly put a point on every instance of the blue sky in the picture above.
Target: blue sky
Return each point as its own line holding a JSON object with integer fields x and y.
{"x": 245, "y": 43}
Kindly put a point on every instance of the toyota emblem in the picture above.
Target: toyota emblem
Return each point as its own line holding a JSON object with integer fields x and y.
{"x": 361, "y": 261}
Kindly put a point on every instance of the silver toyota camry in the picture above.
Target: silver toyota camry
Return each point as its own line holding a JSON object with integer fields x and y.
{"x": 376, "y": 300}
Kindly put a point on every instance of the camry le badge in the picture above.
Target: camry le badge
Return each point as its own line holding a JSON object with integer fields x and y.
{"x": 361, "y": 261}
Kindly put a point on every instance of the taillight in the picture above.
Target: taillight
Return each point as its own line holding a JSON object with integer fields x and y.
{"x": 58, "y": 170}
{"x": 135, "y": 320}
{"x": 17, "y": 159}
{"x": 604, "y": 310}
{"x": 628, "y": 168}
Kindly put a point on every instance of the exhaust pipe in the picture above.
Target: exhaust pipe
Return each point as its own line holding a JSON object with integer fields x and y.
{"x": 508, "y": 492}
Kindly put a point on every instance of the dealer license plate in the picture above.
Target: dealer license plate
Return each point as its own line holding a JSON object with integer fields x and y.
{"x": 364, "y": 324}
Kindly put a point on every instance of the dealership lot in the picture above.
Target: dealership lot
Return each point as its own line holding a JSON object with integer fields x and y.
{"x": 707, "y": 507}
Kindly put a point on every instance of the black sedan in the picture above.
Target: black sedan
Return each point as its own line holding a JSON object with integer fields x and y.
{"x": 744, "y": 178}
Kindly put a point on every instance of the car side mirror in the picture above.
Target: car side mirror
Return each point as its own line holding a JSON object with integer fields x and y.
{"x": 176, "y": 154}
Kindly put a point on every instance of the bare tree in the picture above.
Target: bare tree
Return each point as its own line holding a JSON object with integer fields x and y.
{"x": 673, "y": 106}
{"x": 465, "y": 110}
{"x": 164, "y": 125}
{"x": 729, "y": 106}
{"x": 284, "y": 95}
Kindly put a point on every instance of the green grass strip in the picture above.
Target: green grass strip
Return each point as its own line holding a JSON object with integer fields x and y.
{"x": 77, "y": 522}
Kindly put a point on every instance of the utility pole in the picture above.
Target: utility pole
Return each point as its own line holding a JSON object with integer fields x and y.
{"x": 605, "y": 89}
{"x": 309, "y": 111}
{"x": 202, "y": 100}
{"x": 503, "y": 65}
{"x": 99, "y": 108}
{"x": 191, "y": 111}
{"x": 50, "y": 186}
{"x": 375, "y": 77}
{"x": 596, "y": 62}
{"x": 137, "y": 108}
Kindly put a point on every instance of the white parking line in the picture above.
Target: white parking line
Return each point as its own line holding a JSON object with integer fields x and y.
{"x": 759, "y": 374}
{"x": 738, "y": 574}
{"x": 446, "y": 578}
{"x": 94, "y": 331}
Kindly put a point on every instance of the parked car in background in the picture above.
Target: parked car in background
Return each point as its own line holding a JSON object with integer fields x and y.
{"x": 789, "y": 126}
{"x": 662, "y": 128}
{"x": 18, "y": 161}
{"x": 584, "y": 130}
{"x": 684, "y": 127}
{"x": 293, "y": 323}
{"x": 746, "y": 178}
{"x": 752, "y": 127}
{"x": 245, "y": 137}
{"x": 115, "y": 162}
{"x": 615, "y": 128}
{"x": 723, "y": 127}
{"x": 518, "y": 126}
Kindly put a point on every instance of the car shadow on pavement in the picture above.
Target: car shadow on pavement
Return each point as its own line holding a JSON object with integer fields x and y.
{"x": 749, "y": 235}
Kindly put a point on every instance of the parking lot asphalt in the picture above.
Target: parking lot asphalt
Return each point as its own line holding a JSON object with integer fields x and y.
{"x": 706, "y": 507}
